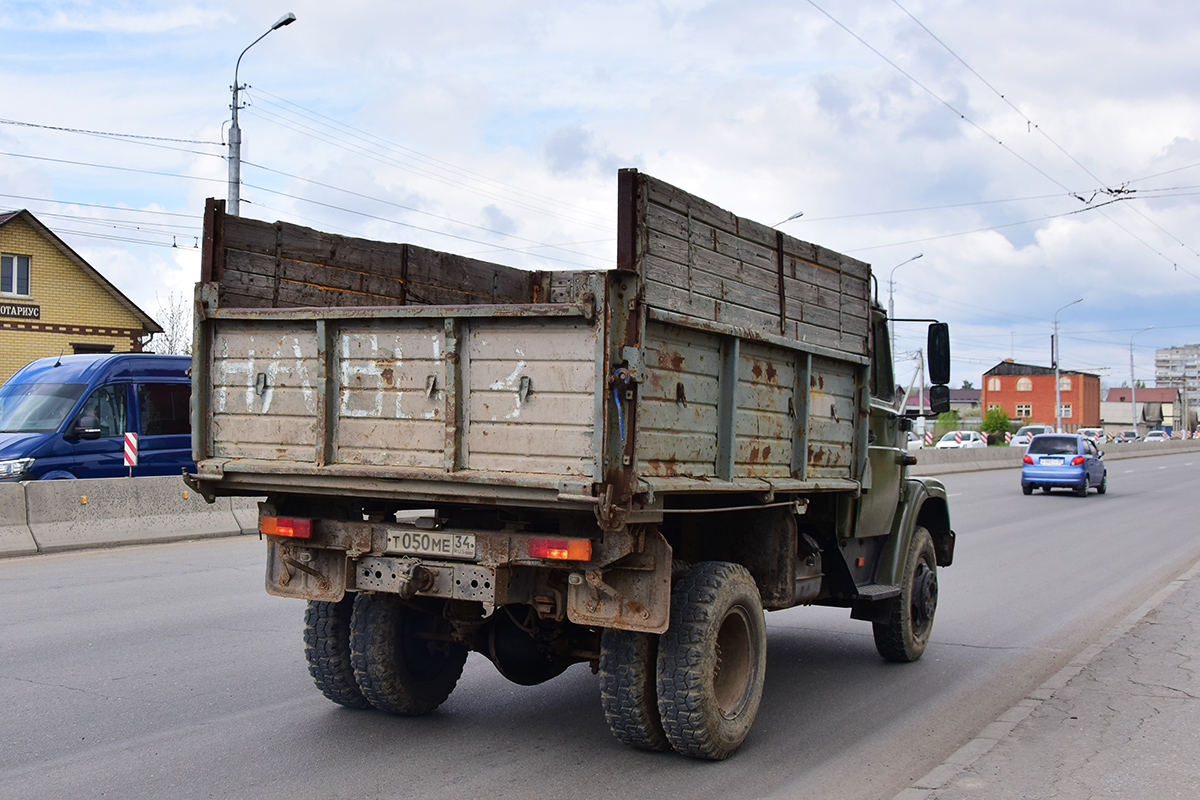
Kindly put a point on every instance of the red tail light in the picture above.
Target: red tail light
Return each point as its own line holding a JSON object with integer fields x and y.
{"x": 285, "y": 526}
{"x": 561, "y": 549}
{"x": 1028, "y": 459}
{"x": 1077, "y": 460}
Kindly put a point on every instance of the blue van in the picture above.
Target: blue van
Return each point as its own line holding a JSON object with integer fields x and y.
{"x": 67, "y": 416}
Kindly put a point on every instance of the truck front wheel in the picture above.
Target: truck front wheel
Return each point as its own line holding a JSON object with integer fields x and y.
{"x": 401, "y": 661}
{"x": 628, "y": 688}
{"x": 712, "y": 660}
{"x": 905, "y": 634}
{"x": 327, "y": 650}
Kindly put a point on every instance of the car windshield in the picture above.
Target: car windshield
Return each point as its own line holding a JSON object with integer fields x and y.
{"x": 36, "y": 407}
{"x": 1030, "y": 431}
{"x": 949, "y": 437}
{"x": 1054, "y": 445}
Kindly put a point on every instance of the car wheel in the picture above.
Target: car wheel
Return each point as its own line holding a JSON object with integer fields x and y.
{"x": 1046, "y": 489}
{"x": 1083, "y": 487}
{"x": 1027, "y": 488}
{"x": 1103, "y": 487}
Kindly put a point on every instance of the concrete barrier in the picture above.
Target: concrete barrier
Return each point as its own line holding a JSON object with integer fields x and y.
{"x": 64, "y": 515}
{"x": 15, "y": 537}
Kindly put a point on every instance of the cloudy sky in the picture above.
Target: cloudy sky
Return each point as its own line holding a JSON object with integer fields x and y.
{"x": 1033, "y": 153}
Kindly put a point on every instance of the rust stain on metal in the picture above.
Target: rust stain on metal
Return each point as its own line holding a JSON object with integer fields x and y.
{"x": 772, "y": 373}
{"x": 389, "y": 376}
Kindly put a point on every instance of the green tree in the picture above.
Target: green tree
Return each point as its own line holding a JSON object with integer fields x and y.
{"x": 968, "y": 385}
{"x": 946, "y": 421}
{"x": 995, "y": 425}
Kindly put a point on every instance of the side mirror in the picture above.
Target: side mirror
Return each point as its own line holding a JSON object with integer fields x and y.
{"x": 86, "y": 428}
{"x": 939, "y": 353}
{"x": 939, "y": 398}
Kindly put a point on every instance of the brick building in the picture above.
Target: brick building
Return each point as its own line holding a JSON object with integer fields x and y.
{"x": 53, "y": 302}
{"x": 1026, "y": 392}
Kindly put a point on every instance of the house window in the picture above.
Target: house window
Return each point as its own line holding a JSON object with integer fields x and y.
{"x": 1024, "y": 385}
{"x": 1064, "y": 383}
{"x": 14, "y": 274}
{"x": 994, "y": 405}
{"x": 993, "y": 384}
{"x": 1024, "y": 409}
{"x": 1065, "y": 410}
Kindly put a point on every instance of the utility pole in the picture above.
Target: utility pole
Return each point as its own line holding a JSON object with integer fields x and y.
{"x": 235, "y": 132}
{"x": 1054, "y": 355}
{"x": 1133, "y": 382}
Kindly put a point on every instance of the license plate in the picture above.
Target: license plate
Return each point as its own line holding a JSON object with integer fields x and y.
{"x": 431, "y": 543}
{"x": 1052, "y": 462}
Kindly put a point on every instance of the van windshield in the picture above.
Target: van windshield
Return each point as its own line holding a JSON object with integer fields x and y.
{"x": 36, "y": 407}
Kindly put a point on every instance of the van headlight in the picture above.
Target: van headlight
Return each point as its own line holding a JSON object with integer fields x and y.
{"x": 15, "y": 467}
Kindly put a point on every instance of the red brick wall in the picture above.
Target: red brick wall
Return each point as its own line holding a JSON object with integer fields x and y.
{"x": 1083, "y": 397}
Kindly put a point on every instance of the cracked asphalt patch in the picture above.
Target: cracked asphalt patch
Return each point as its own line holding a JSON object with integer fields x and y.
{"x": 1127, "y": 724}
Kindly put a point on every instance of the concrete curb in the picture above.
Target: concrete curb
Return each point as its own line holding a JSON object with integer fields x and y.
{"x": 944, "y": 462}
{"x": 945, "y": 773}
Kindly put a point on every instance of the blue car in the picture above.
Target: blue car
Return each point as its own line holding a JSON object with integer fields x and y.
{"x": 1064, "y": 460}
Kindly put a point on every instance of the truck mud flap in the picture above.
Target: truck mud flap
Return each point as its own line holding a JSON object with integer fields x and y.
{"x": 307, "y": 573}
{"x": 634, "y": 594}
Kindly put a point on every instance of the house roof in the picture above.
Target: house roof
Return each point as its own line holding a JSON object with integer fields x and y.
{"x": 148, "y": 323}
{"x": 1010, "y": 367}
{"x": 1123, "y": 394}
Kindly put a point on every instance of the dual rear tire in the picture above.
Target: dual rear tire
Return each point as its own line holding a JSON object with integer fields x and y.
{"x": 377, "y": 650}
{"x": 697, "y": 687}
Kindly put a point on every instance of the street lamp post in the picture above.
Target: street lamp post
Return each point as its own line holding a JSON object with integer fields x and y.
{"x": 235, "y": 132}
{"x": 1057, "y": 385}
{"x": 891, "y": 288}
{"x": 1133, "y": 383}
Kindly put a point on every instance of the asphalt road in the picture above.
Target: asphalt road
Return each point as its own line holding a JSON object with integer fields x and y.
{"x": 166, "y": 672}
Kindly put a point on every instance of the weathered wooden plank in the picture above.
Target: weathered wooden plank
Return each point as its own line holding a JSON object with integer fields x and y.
{"x": 538, "y": 408}
{"x": 534, "y": 465}
{"x": 670, "y": 251}
{"x": 660, "y": 415}
{"x": 393, "y": 435}
{"x": 563, "y": 377}
{"x": 698, "y": 451}
{"x": 384, "y": 457}
{"x": 669, "y": 298}
{"x": 281, "y": 341}
{"x": 527, "y": 340}
{"x": 531, "y": 439}
{"x": 264, "y": 452}
{"x": 256, "y": 429}
{"x": 295, "y": 402}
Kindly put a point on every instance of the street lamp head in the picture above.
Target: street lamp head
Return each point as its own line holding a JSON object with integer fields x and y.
{"x": 286, "y": 19}
{"x": 797, "y": 215}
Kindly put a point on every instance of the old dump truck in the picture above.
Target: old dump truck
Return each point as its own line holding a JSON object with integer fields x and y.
{"x": 620, "y": 467}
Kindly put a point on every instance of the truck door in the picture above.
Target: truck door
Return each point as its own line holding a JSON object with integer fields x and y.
{"x": 885, "y": 440}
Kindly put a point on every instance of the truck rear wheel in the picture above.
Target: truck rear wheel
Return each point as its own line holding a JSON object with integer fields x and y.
{"x": 327, "y": 650}
{"x": 906, "y": 633}
{"x": 398, "y": 664}
{"x": 629, "y": 688}
{"x": 712, "y": 660}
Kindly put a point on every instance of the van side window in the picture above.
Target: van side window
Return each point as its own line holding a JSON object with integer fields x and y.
{"x": 105, "y": 410}
{"x": 163, "y": 408}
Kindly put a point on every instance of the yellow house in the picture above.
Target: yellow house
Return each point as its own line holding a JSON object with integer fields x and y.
{"x": 53, "y": 302}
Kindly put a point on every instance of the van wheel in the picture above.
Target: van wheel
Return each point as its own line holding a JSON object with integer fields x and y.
{"x": 905, "y": 634}
{"x": 327, "y": 650}
{"x": 629, "y": 688}
{"x": 398, "y": 664}
{"x": 712, "y": 660}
